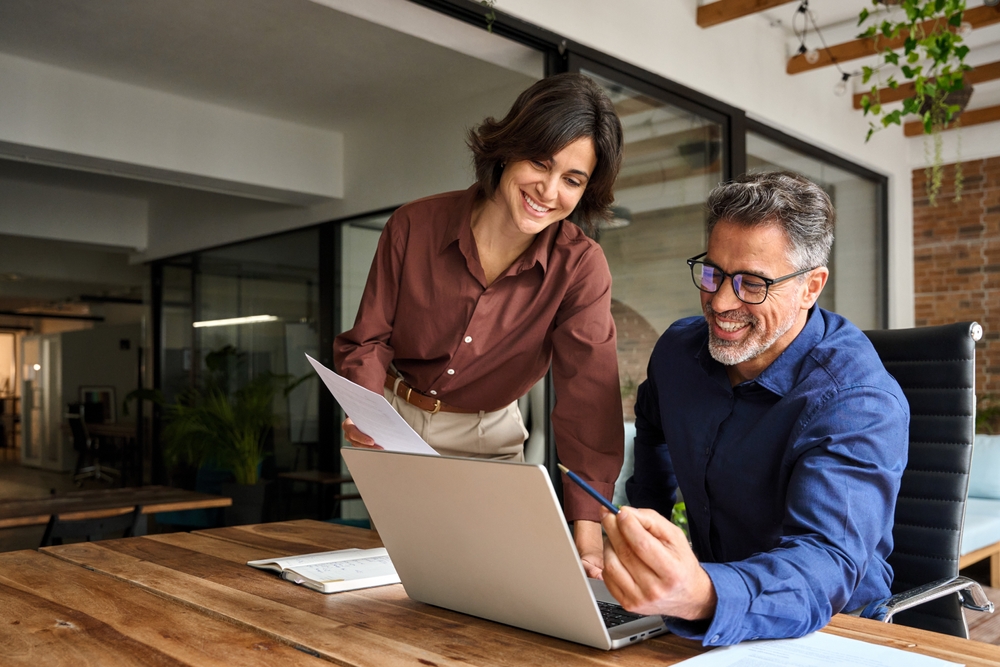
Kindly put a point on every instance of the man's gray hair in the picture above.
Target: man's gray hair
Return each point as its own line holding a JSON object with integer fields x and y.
{"x": 797, "y": 205}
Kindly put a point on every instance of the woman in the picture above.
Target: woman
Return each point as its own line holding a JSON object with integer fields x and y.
{"x": 473, "y": 294}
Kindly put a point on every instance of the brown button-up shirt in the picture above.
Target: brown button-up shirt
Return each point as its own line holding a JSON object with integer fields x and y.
{"x": 427, "y": 309}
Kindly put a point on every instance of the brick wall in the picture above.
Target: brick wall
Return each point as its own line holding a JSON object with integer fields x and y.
{"x": 957, "y": 260}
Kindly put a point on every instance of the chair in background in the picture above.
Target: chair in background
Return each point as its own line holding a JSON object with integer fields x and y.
{"x": 121, "y": 523}
{"x": 936, "y": 368}
{"x": 87, "y": 450}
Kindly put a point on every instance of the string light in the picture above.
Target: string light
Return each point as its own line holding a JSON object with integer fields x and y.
{"x": 812, "y": 55}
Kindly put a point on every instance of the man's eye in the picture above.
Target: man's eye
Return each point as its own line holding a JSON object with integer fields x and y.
{"x": 751, "y": 285}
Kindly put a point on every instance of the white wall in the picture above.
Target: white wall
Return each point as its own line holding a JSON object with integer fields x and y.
{"x": 62, "y": 117}
{"x": 390, "y": 158}
{"x": 743, "y": 63}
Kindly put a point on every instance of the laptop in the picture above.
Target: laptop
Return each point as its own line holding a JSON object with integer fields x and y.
{"x": 488, "y": 538}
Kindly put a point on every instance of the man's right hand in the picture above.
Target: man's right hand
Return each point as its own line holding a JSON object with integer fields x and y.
{"x": 355, "y": 437}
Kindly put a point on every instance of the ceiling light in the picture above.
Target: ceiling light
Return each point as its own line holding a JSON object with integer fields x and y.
{"x": 251, "y": 319}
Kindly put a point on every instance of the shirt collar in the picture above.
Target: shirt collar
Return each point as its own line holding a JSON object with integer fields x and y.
{"x": 459, "y": 230}
{"x": 780, "y": 377}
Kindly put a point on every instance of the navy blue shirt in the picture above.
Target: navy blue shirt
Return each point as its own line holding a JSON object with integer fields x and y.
{"x": 789, "y": 479}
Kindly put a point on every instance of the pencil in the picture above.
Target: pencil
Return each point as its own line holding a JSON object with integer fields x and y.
{"x": 588, "y": 488}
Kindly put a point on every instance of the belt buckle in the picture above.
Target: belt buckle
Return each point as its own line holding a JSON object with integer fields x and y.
{"x": 437, "y": 407}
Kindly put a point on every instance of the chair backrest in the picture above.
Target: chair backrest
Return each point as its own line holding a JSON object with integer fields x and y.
{"x": 936, "y": 368}
{"x": 78, "y": 428}
{"x": 91, "y": 529}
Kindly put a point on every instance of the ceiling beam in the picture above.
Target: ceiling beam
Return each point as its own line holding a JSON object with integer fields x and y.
{"x": 861, "y": 48}
{"x": 721, "y": 11}
{"x": 665, "y": 175}
{"x": 637, "y": 150}
{"x": 987, "y": 72}
{"x": 969, "y": 117}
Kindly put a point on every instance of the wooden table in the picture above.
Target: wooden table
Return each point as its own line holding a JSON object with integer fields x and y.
{"x": 103, "y": 502}
{"x": 189, "y": 599}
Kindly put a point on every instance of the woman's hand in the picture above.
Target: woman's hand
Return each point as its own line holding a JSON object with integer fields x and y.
{"x": 590, "y": 544}
{"x": 355, "y": 437}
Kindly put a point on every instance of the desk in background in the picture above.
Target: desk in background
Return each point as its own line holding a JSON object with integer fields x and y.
{"x": 190, "y": 598}
{"x": 101, "y": 502}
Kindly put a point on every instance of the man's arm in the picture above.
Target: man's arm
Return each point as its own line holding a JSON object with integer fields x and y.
{"x": 847, "y": 463}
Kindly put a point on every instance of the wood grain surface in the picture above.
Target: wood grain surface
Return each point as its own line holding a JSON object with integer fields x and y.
{"x": 205, "y": 574}
{"x": 56, "y": 613}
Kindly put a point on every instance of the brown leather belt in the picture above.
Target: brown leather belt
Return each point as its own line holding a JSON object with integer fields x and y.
{"x": 413, "y": 397}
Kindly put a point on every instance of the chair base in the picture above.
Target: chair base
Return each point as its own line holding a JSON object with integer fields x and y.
{"x": 98, "y": 472}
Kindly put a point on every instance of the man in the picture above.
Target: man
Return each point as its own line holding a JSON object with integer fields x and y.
{"x": 779, "y": 425}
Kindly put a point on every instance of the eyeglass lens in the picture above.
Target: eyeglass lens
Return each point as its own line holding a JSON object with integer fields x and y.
{"x": 748, "y": 288}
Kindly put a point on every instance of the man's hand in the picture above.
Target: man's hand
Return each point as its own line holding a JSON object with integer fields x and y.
{"x": 590, "y": 543}
{"x": 650, "y": 569}
{"x": 355, "y": 437}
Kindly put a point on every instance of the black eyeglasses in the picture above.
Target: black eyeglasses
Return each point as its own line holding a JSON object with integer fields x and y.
{"x": 749, "y": 287}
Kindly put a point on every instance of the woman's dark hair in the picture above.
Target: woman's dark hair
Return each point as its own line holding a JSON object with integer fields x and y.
{"x": 544, "y": 119}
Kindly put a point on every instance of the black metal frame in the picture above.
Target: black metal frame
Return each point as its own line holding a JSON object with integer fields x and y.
{"x": 882, "y": 190}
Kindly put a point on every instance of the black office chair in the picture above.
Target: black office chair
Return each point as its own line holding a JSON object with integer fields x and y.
{"x": 87, "y": 449}
{"x": 936, "y": 368}
{"x": 92, "y": 529}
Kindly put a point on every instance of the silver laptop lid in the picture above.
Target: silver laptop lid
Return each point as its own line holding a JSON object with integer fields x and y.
{"x": 485, "y": 538}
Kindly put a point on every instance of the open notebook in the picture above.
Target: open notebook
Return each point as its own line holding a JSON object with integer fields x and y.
{"x": 489, "y": 538}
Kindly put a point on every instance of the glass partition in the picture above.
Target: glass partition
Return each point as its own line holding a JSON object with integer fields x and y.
{"x": 253, "y": 308}
{"x": 855, "y": 289}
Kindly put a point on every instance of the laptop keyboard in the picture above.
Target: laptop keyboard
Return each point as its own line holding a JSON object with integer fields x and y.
{"x": 614, "y": 615}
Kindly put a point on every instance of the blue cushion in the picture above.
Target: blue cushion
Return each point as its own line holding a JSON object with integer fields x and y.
{"x": 984, "y": 477}
{"x": 982, "y": 524}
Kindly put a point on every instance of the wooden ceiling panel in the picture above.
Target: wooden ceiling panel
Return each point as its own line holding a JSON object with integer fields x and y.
{"x": 721, "y": 11}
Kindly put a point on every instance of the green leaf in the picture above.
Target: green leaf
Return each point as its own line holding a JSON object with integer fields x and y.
{"x": 892, "y": 83}
{"x": 912, "y": 58}
{"x": 866, "y": 104}
{"x": 887, "y": 29}
{"x": 869, "y": 33}
{"x": 961, "y": 52}
{"x": 871, "y": 131}
{"x": 909, "y": 44}
{"x": 907, "y": 71}
{"x": 863, "y": 16}
{"x": 955, "y": 20}
{"x": 892, "y": 57}
{"x": 866, "y": 74}
{"x": 876, "y": 109}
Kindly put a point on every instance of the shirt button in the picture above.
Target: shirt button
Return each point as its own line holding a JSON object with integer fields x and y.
{"x": 468, "y": 339}
{"x": 714, "y": 640}
{"x": 433, "y": 392}
{"x": 451, "y": 371}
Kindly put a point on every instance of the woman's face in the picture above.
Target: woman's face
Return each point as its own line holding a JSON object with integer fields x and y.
{"x": 536, "y": 193}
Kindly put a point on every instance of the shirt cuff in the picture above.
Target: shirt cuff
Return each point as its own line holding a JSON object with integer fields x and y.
{"x": 733, "y": 603}
{"x": 577, "y": 503}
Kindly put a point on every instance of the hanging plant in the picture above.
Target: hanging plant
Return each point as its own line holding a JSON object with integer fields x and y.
{"x": 930, "y": 60}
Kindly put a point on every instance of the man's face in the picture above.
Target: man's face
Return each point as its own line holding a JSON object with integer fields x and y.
{"x": 745, "y": 337}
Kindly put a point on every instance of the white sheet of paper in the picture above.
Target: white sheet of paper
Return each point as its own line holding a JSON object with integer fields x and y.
{"x": 372, "y": 413}
{"x": 820, "y": 649}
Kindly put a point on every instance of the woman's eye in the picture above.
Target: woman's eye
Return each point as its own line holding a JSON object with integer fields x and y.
{"x": 540, "y": 165}
{"x": 575, "y": 183}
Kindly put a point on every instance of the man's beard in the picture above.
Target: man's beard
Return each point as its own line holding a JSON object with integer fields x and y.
{"x": 754, "y": 343}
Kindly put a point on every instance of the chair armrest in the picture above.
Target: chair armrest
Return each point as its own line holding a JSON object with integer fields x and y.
{"x": 883, "y": 610}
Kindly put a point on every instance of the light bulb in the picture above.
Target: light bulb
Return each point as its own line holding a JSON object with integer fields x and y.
{"x": 964, "y": 28}
{"x": 841, "y": 88}
{"x": 37, "y": 367}
{"x": 812, "y": 56}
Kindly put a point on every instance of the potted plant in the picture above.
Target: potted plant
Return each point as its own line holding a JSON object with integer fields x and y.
{"x": 929, "y": 61}
{"x": 224, "y": 428}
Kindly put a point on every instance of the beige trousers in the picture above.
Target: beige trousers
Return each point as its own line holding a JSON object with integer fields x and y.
{"x": 483, "y": 435}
